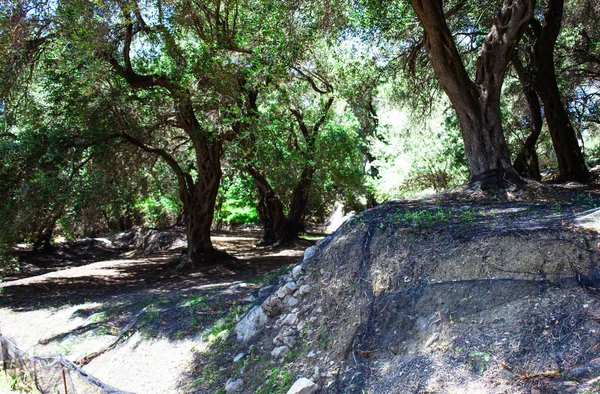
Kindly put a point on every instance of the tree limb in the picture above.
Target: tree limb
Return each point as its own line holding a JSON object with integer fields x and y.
{"x": 183, "y": 179}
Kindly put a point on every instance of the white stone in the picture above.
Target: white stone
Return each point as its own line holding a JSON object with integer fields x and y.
{"x": 290, "y": 320}
{"x": 289, "y": 341}
{"x": 303, "y": 386}
{"x": 297, "y": 272}
{"x": 309, "y": 253}
{"x": 301, "y": 326}
{"x": 234, "y": 386}
{"x": 280, "y": 351}
{"x": 250, "y": 299}
{"x": 304, "y": 290}
{"x": 286, "y": 289}
{"x": 247, "y": 327}
{"x": 291, "y": 301}
{"x": 264, "y": 291}
{"x": 238, "y": 357}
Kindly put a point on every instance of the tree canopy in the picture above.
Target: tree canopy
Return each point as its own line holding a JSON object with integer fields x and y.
{"x": 155, "y": 112}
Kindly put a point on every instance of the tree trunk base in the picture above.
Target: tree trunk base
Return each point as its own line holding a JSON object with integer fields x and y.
{"x": 498, "y": 180}
{"x": 206, "y": 261}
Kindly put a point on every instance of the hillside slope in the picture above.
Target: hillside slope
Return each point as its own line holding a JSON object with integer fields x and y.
{"x": 435, "y": 295}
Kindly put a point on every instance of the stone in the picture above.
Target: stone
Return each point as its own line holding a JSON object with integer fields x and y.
{"x": 280, "y": 351}
{"x": 301, "y": 326}
{"x": 303, "y": 386}
{"x": 290, "y": 320}
{"x": 309, "y": 253}
{"x": 287, "y": 289}
{"x": 234, "y": 385}
{"x": 273, "y": 306}
{"x": 238, "y": 357}
{"x": 297, "y": 272}
{"x": 304, "y": 290}
{"x": 289, "y": 341}
{"x": 264, "y": 291}
{"x": 311, "y": 354}
{"x": 291, "y": 301}
{"x": 250, "y": 299}
{"x": 250, "y": 323}
{"x": 288, "y": 332}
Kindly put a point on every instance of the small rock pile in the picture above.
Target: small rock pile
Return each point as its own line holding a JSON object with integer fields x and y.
{"x": 281, "y": 311}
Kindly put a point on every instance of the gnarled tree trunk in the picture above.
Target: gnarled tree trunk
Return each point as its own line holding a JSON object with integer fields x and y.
{"x": 571, "y": 164}
{"x": 526, "y": 162}
{"x": 277, "y": 226}
{"x": 199, "y": 205}
{"x": 477, "y": 103}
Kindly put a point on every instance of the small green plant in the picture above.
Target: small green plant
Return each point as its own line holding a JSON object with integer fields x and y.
{"x": 479, "y": 360}
{"x": 267, "y": 277}
{"x": 278, "y": 381}
{"x": 323, "y": 337}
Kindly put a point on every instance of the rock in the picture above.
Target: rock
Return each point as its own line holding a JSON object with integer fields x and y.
{"x": 311, "y": 354}
{"x": 250, "y": 299}
{"x": 247, "y": 327}
{"x": 291, "y": 301}
{"x": 264, "y": 291}
{"x": 286, "y": 289}
{"x": 301, "y": 326}
{"x": 304, "y": 290}
{"x": 290, "y": 320}
{"x": 239, "y": 286}
{"x": 238, "y": 357}
{"x": 234, "y": 386}
{"x": 303, "y": 386}
{"x": 309, "y": 253}
{"x": 289, "y": 341}
{"x": 297, "y": 272}
{"x": 280, "y": 351}
{"x": 288, "y": 332}
{"x": 273, "y": 306}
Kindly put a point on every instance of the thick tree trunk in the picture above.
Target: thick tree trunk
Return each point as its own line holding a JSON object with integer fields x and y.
{"x": 266, "y": 219}
{"x": 43, "y": 241}
{"x": 526, "y": 162}
{"x": 199, "y": 204}
{"x": 275, "y": 221}
{"x": 300, "y": 198}
{"x": 477, "y": 103}
{"x": 571, "y": 164}
{"x": 199, "y": 212}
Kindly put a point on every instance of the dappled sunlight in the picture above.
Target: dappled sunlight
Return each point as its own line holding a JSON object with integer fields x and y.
{"x": 133, "y": 322}
{"x": 110, "y": 268}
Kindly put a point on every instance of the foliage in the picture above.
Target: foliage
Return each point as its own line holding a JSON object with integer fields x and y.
{"x": 236, "y": 203}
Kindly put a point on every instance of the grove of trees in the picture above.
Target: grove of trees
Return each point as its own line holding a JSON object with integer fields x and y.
{"x": 157, "y": 112}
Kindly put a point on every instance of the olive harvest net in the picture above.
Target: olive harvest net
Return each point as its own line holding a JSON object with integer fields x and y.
{"x": 29, "y": 373}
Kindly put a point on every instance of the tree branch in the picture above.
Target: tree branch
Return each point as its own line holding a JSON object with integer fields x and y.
{"x": 185, "y": 187}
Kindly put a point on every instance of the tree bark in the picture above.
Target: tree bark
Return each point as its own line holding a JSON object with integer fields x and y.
{"x": 477, "y": 103}
{"x": 526, "y": 162}
{"x": 571, "y": 164}
{"x": 300, "y": 198}
{"x": 278, "y": 228}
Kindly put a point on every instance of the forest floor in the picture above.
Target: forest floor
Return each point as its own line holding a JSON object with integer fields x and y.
{"x": 130, "y": 320}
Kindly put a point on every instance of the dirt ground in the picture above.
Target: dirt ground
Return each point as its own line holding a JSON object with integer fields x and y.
{"x": 90, "y": 296}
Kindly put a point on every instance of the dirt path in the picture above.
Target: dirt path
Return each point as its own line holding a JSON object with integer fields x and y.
{"x": 83, "y": 302}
